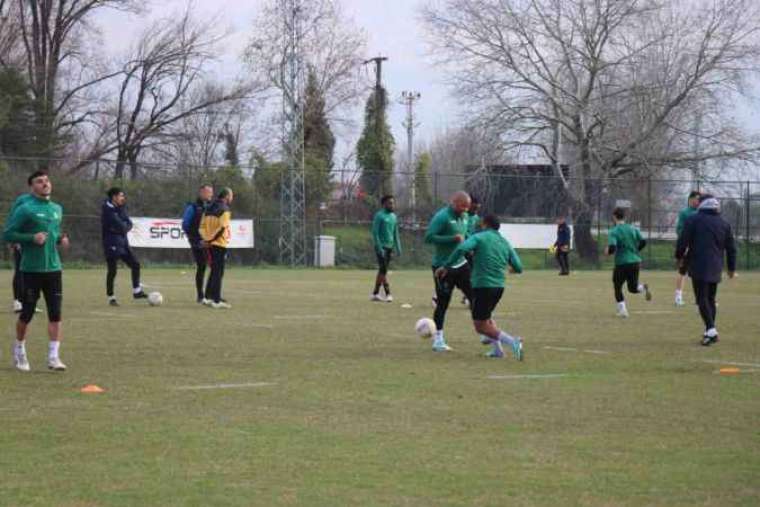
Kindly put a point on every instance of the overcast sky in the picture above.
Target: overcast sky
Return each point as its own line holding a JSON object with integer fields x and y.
{"x": 393, "y": 30}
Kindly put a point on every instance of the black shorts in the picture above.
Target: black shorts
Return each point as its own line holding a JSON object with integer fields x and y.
{"x": 484, "y": 301}
{"x": 384, "y": 260}
{"x": 51, "y": 287}
{"x": 683, "y": 267}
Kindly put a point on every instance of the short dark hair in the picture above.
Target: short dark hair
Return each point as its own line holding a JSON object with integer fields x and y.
{"x": 385, "y": 199}
{"x": 704, "y": 197}
{"x": 694, "y": 193}
{"x": 114, "y": 191}
{"x": 35, "y": 175}
{"x": 224, "y": 192}
{"x": 492, "y": 221}
{"x": 619, "y": 213}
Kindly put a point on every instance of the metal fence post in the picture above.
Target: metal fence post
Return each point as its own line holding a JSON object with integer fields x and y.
{"x": 748, "y": 232}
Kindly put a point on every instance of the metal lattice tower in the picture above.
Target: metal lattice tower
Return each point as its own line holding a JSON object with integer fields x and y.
{"x": 292, "y": 195}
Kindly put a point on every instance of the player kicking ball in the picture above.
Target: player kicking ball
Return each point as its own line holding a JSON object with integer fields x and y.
{"x": 492, "y": 255}
{"x": 625, "y": 242}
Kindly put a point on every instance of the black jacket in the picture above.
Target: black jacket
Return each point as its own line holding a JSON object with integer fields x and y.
{"x": 563, "y": 235}
{"x": 705, "y": 238}
{"x": 115, "y": 224}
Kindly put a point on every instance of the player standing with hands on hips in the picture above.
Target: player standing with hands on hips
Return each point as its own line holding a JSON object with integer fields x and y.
{"x": 36, "y": 226}
{"x": 706, "y": 238}
{"x": 385, "y": 237}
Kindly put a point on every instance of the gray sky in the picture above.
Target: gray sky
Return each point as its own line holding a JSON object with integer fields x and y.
{"x": 393, "y": 30}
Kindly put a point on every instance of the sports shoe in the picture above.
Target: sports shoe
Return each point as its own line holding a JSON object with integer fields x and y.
{"x": 647, "y": 293}
{"x": 17, "y": 306}
{"x": 517, "y": 348}
{"x": 441, "y": 347}
{"x": 221, "y": 305}
{"x": 20, "y": 360}
{"x": 622, "y": 313}
{"x": 484, "y": 340}
{"x": 679, "y": 302}
{"x": 206, "y": 302}
{"x": 140, "y": 295}
{"x": 113, "y": 302}
{"x": 709, "y": 340}
{"x": 495, "y": 353}
{"x": 376, "y": 298}
{"x": 389, "y": 299}
{"x": 55, "y": 364}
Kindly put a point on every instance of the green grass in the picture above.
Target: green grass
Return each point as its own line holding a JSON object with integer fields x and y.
{"x": 363, "y": 413}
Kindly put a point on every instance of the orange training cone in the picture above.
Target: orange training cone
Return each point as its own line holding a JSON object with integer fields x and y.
{"x": 92, "y": 389}
{"x": 729, "y": 371}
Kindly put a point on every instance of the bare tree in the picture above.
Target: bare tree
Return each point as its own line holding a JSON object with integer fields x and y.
{"x": 333, "y": 47}
{"x": 170, "y": 61}
{"x": 606, "y": 88}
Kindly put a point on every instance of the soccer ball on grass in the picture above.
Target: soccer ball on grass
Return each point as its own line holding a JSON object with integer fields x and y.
{"x": 425, "y": 328}
{"x": 155, "y": 299}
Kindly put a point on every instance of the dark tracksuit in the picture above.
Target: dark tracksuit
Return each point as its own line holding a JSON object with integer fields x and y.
{"x": 115, "y": 225}
{"x": 563, "y": 246}
{"x": 191, "y": 222}
{"x": 706, "y": 236}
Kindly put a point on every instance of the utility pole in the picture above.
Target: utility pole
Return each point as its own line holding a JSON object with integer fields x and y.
{"x": 408, "y": 99}
{"x": 379, "y": 101}
{"x": 292, "y": 194}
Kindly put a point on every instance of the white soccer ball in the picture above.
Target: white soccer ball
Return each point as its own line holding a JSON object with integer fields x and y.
{"x": 425, "y": 328}
{"x": 155, "y": 299}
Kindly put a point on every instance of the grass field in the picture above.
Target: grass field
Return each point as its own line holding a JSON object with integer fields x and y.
{"x": 305, "y": 393}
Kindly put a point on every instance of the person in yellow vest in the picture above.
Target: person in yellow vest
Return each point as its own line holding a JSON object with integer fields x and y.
{"x": 215, "y": 232}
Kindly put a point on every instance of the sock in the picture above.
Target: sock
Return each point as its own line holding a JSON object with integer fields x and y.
{"x": 506, "y": 339}
{"x": 496, "y": 347}
{"x": 112, "y": 298}
{"x": 640, "y": 289}
{"x": 712, "y": 332}
{"x": 20, "y": 347}
{"x": 53, "y": 349}
{"x": 438, "y": 338}
{"x": 137, "y": 290}
{"x": 621, "y": 306}
{"x": 679, "y": 294}
{"x": 387, "y": 289}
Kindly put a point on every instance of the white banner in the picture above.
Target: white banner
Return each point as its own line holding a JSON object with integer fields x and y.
{"x": 531, "y": 235}
{"x": 168, "y": 233}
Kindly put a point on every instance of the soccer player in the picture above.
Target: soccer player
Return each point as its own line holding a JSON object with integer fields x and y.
{"x": 446, "y": 230}
{"x": 625, "y": 242}
{"x": 216, "y": 232}
{"x": 385, "y": 237}
{"x": 191, "y": 222}
{"x": 706, "y": 238}
{"x": 492, "y": 256}
{"x": 473, "y": 219}
{"x": 683, "y": 269}
{"x": 36, "y": 226}
{"x": 18, "y": 279}
{"x": 115, "y": 224}
{"x": 562, "y": 246}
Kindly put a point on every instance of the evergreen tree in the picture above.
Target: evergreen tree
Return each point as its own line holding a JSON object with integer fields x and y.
{"x": 319, "y": 144}
{"x": 16, "y": 115}
{"x": 374, "y": 152}
{"x": 422, "y": 180}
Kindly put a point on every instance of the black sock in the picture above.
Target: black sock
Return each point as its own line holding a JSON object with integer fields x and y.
{"x": 387, "y": 289}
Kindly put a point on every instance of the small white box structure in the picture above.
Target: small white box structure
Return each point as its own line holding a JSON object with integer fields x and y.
{"x": 324, "y": 251}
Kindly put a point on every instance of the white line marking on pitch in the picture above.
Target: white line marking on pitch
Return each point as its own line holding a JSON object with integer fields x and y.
{"x": 600, "y": 352}
{"x": 225, "y": 386}
{"x": 561, "y": 349}
{"x": 528, "y": 376}
{"x": 294, "y": 317}
{"x": 653, "y": 312}
{"x": 732, "y": 363}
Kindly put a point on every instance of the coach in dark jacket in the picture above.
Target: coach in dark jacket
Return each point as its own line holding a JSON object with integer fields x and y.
{"x": 562, "y": 246}
{"x": 115, "y": 224}
{"x": 706, "y": 238}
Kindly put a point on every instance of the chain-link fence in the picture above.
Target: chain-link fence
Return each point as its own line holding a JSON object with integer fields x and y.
{"x": 518, "y": 194}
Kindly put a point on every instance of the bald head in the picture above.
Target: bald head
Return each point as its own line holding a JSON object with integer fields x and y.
{"x": 460, "y": 202}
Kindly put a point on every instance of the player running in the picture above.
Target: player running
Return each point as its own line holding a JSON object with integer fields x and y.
{"x": 385, "y": 237}
{"x": 36, "y": 226}
{"x": 191, "y": 223}
{"x": 492, "y": 255}
{"x": 625, "y": 242}
{"x": 115, "y": 224}
{"x": 706, "y": 238}
{"x": 446, "y": 230}
{"x": 683, "y": 269}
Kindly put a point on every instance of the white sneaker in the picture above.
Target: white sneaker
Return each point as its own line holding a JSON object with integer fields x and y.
{"x": 55, "y": 364}
{"x": 221, "y": 305}
{"x": 17, "y": 306}
{"x": 389, "y": 299}
{"x": 20, "y": 360}
{"x": 206, "y": 302}
{"x": 441, "y": 347}
{"x": 679, "y": 302}
{"x": 623, "y": 314}
{"x": 376, "y": 298}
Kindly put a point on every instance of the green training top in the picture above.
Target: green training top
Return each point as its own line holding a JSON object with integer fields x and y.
{"x": 492, "y": 255}
{"x": 385, "y": 231}
{"x": 36, "y": 215}
{"x": 625, "y": 238}
{"x": 682, "y": 216}
{"x": 443, "y": 228}
{"x": 473, "y": 224}
{"x": 20, "y": 201}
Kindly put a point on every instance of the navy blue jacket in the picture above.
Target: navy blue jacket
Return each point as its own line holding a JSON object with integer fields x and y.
{"x": 115, "y": 224}
{"x": 705, "y": 238}
{"x": 563, "y": 235}
{"x": 191, "y": 221}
